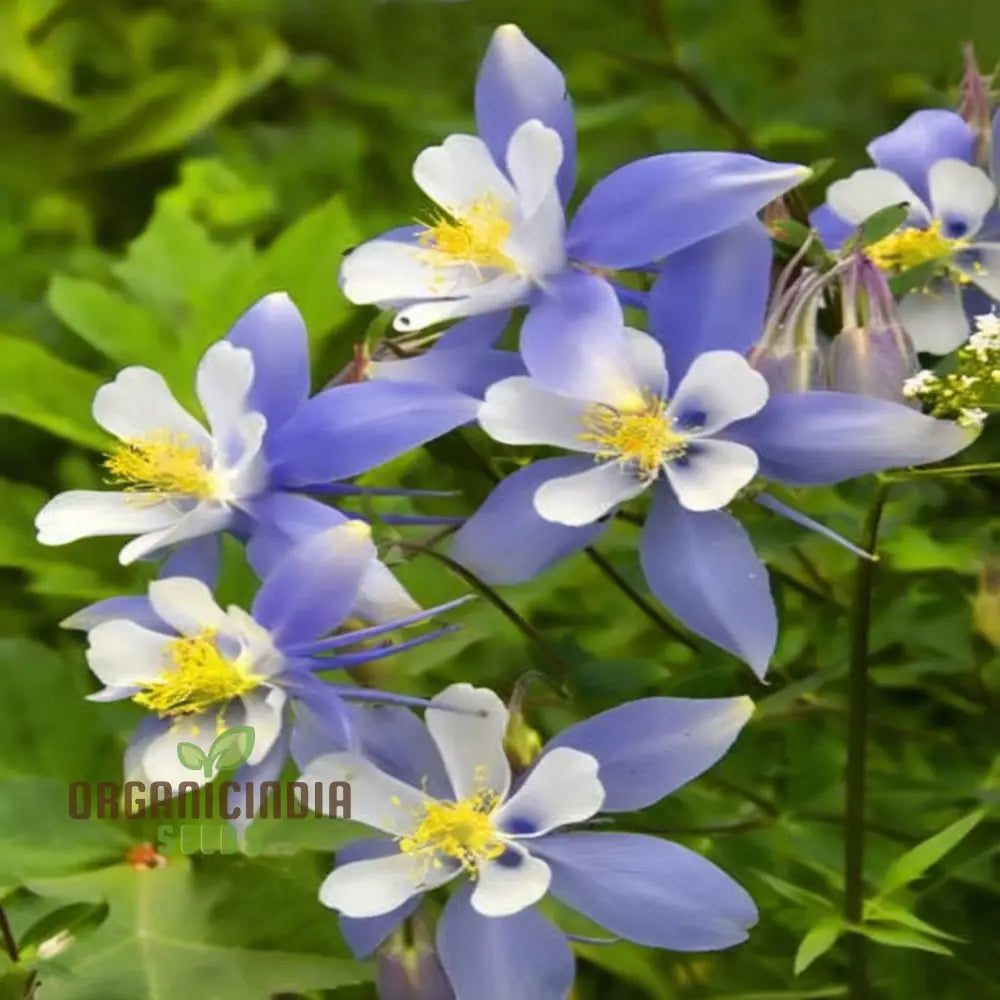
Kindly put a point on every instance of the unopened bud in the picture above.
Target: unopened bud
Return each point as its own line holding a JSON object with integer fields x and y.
{"x": 789, "y": 368}
{"x": 873, "y": 355}
{"x": 522, "y": 744}
{"x": 873, "y": 361}
{"x": 411, "y": 972}
{"x": 986, "y": 604}
{"x": 975, "y": 107}
{"x": 791, "y": 351}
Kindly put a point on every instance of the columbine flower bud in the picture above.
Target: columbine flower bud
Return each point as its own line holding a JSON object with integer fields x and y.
{"x": 791, "y": 354}
{"x": 873, "y": 355}
{"x": 411, "y": 972}
{"x": 975, "y": 106}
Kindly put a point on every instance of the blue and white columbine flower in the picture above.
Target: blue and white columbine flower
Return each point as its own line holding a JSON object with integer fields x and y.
{"x": 266, "y": 446}
{"x": 694, "y": 447}
{"x": 466, "y": 818}
{"x": 500, "y": 238}
{"x": 953, "y": 224}
{"x": 200, "y": 669}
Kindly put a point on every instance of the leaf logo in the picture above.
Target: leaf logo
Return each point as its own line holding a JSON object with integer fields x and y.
{"x": 229, "y": 750}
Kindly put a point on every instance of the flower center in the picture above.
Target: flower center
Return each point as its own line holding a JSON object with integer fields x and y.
{"x": 461, "y": 830}
{"x": 201, "y": 677}
{"x": 164, "y": 462}
{"x": 644, "y": 438}
{"x": 477, "y": 236}
{"x": 906, "y": 248}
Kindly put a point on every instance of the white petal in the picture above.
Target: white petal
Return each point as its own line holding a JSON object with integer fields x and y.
{"x": 472, "y": 299}
{"x": 376, "y": 886}
{"x": 459, "y": 172}
{"x": 247, "y": 477}
{"x": 187, "y": 605}
{"x": 868, "y": 191}
{"x": 648, "y": 362}
{"x": 585, "y": 497}
{"x": 264, "y": 712}
{"x": 711, "y": 473}
{"x": 508, "y": 886}
{"x": 377, "y": 798}
{"x": 139, "y": 403}
{"x": 223, "y": 382}
{"x": 383, "y": 598}
{"x": 468, "y": 725}
{"x": 987, "y": 274}
{"x": 519, "y": 411}
{"x": 719, "y": 387}
{"x": 92, "y": 513}
{"x": 202, "y": 519}
{"x": 960, "y": 192}
{"x": 935, "y": 318}
{"x": 562, "y": 788}
{"x": 385, "y": 272}
{"x": 124, "y": 654}
{"x": 256, "y": 642}
{"x": 159, "y": 760}
{"x": 534, "y": 155}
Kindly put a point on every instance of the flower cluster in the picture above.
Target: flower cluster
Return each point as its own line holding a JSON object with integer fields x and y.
{"x": 710, "y": 397}
{"x": 969, "y": 392}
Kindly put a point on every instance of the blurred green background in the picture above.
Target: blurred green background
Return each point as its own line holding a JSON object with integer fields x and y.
{"x": 163, "y": 165}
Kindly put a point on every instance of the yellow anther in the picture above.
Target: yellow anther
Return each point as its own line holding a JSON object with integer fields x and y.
{"x": 460, "y": 830}
{"x": 198, "y": 677}
{"x": 907, "y": 248}
{"x": 477, "y": 236}
{"x": 162, "y": 463}
{"x": 644, "y": 437}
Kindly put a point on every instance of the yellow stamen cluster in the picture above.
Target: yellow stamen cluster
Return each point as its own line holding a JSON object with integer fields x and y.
{"x": 644, "y": 438}
{"x": 477, "y": 236}
{"x": 972, "y": 390}
{"x": 199, "y": 676}
{"x": 460, "y": 830}
{"x": 908, "y": 248}
{"x": 162, "y": 463}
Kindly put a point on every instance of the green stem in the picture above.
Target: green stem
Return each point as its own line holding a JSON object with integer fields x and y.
{"x": 544, "y": 647}
{"x": 983, "y": 468}
{"x": 637, "y": 599}
{"x": 9, "y": 943}
{"x": 857, "y": 747}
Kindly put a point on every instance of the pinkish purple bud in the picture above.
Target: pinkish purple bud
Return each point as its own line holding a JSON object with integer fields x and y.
{"x": 872, "y": 361}
{"x": 873, "y": 355}
{"x": 789, "y": 369}
{"x": 411, "y": 972}
{"x": 975, "y": 107}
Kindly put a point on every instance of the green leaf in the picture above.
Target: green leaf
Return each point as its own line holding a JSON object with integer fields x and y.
{"x": 793, "y": 893}
{"x": 304, "y": 261}
{"x": 884, "y": 911}
{"x": 38, "y": 388}
{"x": 885, "y": 221}
{"x": 918, "y": 859}
{"x": 191, "y": 756}
{"x": 231, "y": 748}
{"x": 119, "y": 329}
{"x": 899, "y": 937}
{"x": 916, "y": 277}
{"x": 818, "y": 941}
{"x": 157, "y": 942}
{"x": 74, "y": 918}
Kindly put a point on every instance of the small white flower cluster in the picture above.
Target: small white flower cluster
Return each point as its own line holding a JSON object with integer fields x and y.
{"x": 966, "y": 394}
{"x": 919, "y": 384}
{"x": 986, "y": 338}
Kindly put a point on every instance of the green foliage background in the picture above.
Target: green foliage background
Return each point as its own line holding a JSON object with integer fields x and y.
{"x": 163, "y": 165}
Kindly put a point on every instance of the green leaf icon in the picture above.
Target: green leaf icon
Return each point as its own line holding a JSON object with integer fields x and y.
{"x": 191, "y": 756}
{"x": 230, "y": 749}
